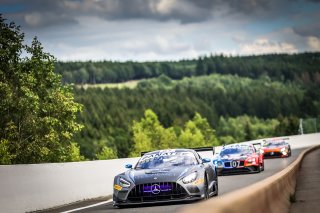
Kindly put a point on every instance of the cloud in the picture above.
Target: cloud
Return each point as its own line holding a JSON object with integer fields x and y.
{"x": 138, "y": 39}
{"x": 39, "y": 13}
{"x": 132, "y": 40}
{"x": 36, "y": 19}
{"x": 264, "y": 46}
{"x": 308, "y": 30}
{"x": 250, "y": 6}
{"x": 184, "y": 11}
{"x": 166, "y": 29}
{"x": 314, "y": 43}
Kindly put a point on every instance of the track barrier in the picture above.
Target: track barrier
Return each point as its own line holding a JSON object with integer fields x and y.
{"x": 270, "y": 195}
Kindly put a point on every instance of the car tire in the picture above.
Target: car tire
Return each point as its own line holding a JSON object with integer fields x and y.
{"x": 259, "y": 169}
{"x": 216, "y": 186}
{"x": 262, "y": 166}
{"x": 206, "y": 188}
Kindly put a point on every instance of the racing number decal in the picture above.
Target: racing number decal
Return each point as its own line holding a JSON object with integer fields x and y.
{"x": 235, "y": 164}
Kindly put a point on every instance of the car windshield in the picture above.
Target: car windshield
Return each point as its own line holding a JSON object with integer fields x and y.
{"x": 273, "y": 143}
{"x": 236, "y": 150}
{"x": 165, "y": 159}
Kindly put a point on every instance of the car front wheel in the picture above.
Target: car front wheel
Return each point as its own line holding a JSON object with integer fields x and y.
{"x": 206, "y": 188}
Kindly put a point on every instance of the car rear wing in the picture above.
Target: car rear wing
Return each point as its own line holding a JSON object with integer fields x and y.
{"x": 197, "y": 149}
{"x": 276, "y": 139}
{"x": 204, "y": 149}
{"x": 257, "y": 146}
{"x": 143, "y": 153}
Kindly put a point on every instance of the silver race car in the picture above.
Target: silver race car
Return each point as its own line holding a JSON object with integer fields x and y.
{"x": 166, "y": 176}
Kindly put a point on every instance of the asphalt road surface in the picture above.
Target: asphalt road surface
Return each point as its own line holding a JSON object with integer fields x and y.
{"x": 226, "y": 184}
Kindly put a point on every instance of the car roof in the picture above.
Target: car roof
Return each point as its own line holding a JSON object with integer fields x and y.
{"x": 276, "y": 139}
{"x": 230, "y": 146}
{"x": 169, "y": 150}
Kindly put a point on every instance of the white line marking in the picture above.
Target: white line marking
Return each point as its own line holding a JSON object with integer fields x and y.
{"x": 87, "y": 207}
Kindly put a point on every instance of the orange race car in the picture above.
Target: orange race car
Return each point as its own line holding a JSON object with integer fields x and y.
{"x": 277, "y": 147}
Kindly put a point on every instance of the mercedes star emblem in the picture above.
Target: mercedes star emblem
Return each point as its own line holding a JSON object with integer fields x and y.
{"x": 155, "y": 189}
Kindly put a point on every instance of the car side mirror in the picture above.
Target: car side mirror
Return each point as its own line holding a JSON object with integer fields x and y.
{"x": 206, "y": 160}
{"x": 128, "y": 166}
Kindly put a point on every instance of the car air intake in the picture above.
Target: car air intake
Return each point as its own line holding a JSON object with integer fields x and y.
{"x": 159, "y": 191}
{"x": 228, "y": 164}
{"x": 272, "y": 155}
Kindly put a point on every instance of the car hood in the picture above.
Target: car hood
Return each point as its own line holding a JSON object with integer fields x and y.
{"x": 159, "y": 175}
{"x": 273, "y": 148}
{"x": 234, "y": 157}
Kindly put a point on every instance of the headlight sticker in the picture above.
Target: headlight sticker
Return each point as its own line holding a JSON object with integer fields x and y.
{"x": 117, "y": 187}
{"x": 199, "y": 181}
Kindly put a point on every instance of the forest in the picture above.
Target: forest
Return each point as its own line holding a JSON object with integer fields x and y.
{"x": 240, "y": 98}
{"x": 302, "y": 68}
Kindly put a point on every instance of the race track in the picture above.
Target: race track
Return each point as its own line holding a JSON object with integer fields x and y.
{"x": 226, "y": 184}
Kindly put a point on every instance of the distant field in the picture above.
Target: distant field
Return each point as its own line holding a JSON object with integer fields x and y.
{"x": 129, "y": 84}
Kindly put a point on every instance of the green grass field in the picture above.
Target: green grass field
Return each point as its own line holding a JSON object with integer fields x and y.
{"x": 129, "y": 84}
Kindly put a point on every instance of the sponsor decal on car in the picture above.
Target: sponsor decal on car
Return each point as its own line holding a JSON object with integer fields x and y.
{"x": 152, "y": 157}
{"x": 199, "y": 181}
{"x": 117, "y": 187}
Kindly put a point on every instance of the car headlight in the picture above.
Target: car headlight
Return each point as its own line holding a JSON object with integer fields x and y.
{"x": 124, "y": 183}
{"x": 217, "y": 163}
{"x": 190, "y": 178}
{"x": 251, "y": 160}
{"x": 283, "y": 149}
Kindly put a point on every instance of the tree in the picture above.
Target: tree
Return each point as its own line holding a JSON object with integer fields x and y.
{"x": 37, "y": 112}
{"x": 197, "y": 133}
{"x": 106, "y": 153}
{"x": 191, "y": 136}
{"x": 206, "y": 130}
{"x": 73, "y": 153}
{"x": 287, "y": 126}
{"x": 200, "y": 68}
{"x": 149, "y": 134}
{"x": 248, "y": 131}
{"x": 81, "y": 76}
{"x": 5, "y": 156}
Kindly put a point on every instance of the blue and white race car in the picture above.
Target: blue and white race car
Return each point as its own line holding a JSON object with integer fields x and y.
{"x": 239, "y": 158}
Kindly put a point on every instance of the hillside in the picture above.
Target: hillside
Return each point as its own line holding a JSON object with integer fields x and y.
{"x": 237, "y": 108}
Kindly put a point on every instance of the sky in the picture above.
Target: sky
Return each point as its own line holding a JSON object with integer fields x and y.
{"x": 157, "y": 30}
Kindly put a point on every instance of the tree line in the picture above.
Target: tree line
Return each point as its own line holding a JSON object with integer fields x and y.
{"x": 302, "y": 68}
